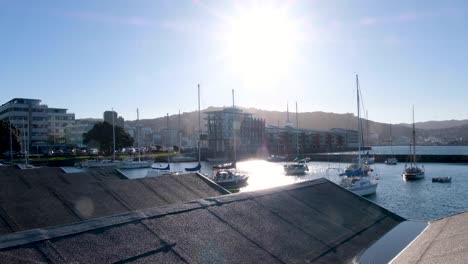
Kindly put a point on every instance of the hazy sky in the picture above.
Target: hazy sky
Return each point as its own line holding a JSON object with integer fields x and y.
{"x": 91, "y": 56}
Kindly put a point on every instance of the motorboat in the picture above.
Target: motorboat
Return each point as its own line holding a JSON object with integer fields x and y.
{"x": 391, "y": 161}
{"x": 299, "y": 168}
{"x": 442, "y": 179}
{"x": 230, "y": 178}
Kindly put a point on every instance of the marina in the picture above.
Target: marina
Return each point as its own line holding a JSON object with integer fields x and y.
{"x": 429, "y": 200}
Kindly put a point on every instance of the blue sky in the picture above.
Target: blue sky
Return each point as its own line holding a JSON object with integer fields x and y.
{"x": 91, "y": 56}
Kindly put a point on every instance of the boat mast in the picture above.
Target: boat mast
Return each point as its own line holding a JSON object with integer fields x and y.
{"x": 414, "y": 141}
{"x": 11, "y": 140}
{"x": 359, "y": 121}
{"x": 234, "y": 128}
{"x": 199, "y": 125}
{"x": 297, "y": 134}
{"x": 113, "y": 135}
{"x": 178, "y": 132}
{"x": 138, "y": 135}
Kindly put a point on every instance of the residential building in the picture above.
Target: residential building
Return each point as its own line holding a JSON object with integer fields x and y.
{"x": 58, "y": 120}
{"x": 112, "y": 117}
{"x": 37, "y": 122}
{"x": 232, "y": 127}
{"x": 289, "y": 140}
{"x": 74, "y": 132}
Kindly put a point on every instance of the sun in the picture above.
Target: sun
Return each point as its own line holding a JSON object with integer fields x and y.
{"x": 261, "y": 45}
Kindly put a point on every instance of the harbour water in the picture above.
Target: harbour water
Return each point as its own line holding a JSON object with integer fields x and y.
{"x": 416, "y": 200}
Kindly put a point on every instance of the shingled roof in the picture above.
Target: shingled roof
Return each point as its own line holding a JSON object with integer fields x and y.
{"x": 46, "y": 197}
{"x": 314, "y": 221}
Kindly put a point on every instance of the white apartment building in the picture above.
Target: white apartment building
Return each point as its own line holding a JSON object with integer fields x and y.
{"x": 35, "y": 121}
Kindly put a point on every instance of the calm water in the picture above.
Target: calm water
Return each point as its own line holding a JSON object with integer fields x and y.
{"x": 417, "y": 200}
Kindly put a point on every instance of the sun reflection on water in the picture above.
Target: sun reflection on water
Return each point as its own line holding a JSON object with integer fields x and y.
{"x": 264, "y": 174}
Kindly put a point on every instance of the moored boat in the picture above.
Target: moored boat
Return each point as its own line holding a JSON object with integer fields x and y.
{"x": 296, "y": 168}
{"x": 359, "y": 177}
{"x": 413, "y": 172}
{"x": 391, "y": 161}
{"x": 230, "y": 178}
{"x": 442, "y": 179}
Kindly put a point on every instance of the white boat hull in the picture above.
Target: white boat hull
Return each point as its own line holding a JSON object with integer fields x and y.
{"x": 365, "y": 190}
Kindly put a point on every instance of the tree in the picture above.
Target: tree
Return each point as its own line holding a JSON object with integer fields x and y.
{"x": 100, "y": 136}
{"x": 5, "y": 137}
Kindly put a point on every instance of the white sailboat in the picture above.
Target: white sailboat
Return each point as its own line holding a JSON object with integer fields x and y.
{"x": 300, "y": 167}
{"x": 359, "y": 177}
{"x": 413, "y": 172}
{"x": 391, "y": 160}
{"x": 198, "y": 167}
{"x": 231, "y": 177}
{"x": 130, "y": 163}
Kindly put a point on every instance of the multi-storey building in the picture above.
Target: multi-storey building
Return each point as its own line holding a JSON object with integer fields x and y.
{"x": 111, "y": 116}
{"x": 232, "y": 127}
{"x": 289, "y": 140}
{"x": 58, "y": 120}
{"x": 74, "y": 132}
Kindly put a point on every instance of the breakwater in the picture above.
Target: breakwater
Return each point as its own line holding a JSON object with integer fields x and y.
{"x": 401, "y": 158}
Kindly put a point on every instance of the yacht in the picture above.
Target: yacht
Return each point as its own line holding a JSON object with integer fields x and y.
{"x": 299, "y": 168}
{"x": 359, "y": 177}
{"x": 413, "y": 171}
{"x": 230, "y": 178}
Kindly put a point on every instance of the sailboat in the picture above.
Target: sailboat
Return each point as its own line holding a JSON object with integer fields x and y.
{"x": 130, "y": 163}
{"x": 198, "y": 167}
{"x": 228, "y": 176}
{"x": 300, "y": 167}
{"x": 359, "y": 177}
{"x": 413, "y": 172}
{"x": 391, "y": 160}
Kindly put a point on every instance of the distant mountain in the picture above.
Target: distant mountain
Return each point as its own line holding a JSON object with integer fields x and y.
{"x": 309, "y": 120}
{"x": 438, "y": 124}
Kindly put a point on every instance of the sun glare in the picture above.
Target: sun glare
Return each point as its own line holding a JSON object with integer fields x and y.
{"x": 261, "y": 45}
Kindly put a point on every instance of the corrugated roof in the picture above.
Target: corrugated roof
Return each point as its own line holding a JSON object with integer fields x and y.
{"x": 314, "y": 221}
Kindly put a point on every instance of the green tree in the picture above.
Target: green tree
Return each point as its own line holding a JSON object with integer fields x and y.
{"x": 5, "y": 137}
{"x": 100, "y": 136}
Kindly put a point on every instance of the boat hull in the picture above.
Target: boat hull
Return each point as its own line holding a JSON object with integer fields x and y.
{"x": 294, "y": 171}
{"x": 233, "y": 184}
{"x": 413, "y": 176}
{"x": 365, "y": 190}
